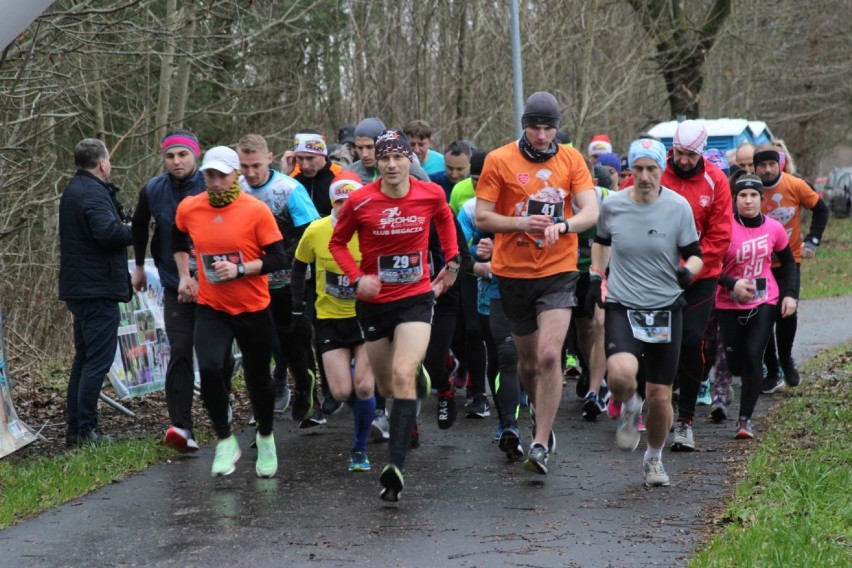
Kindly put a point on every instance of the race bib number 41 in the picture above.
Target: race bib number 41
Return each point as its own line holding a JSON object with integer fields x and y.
{"x": 555, "y": 210}
{"x": 207, "y": 261}
{"x": 401, "y": 268}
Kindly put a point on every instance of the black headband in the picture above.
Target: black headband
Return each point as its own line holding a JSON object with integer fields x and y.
{"x": 743, "y": 184}
{"x": 766, "y": 156}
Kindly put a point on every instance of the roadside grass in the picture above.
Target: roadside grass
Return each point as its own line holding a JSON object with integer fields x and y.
{"x": 44, "y": 482}
{"x": 830, "y": 272}
{"x": 794, "y": 507}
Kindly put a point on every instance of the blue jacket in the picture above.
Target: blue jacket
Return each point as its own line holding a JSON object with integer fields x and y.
{"x": 93, "y": 242}
{"x": 158, "y": 200}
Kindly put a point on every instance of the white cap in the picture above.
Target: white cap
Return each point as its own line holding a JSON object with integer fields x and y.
{"x": 222, "y": 159}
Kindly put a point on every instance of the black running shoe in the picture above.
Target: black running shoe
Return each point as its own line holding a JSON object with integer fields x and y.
{"x": 510, "y": 444}
{"x": 392, "y": 483}
{"x": 791, "y": 373}
{"x": 479, "y": 407}
{"x": 772, "y": 384}
{"x": 303, "y": 400}
{"x": 583, "y": 385}
{"x": 316, "y": 418}
{"x": 330, "y": 406}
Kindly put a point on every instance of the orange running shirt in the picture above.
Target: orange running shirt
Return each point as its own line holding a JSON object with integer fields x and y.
{"x": 519, "y": 187}
{"x": 783, "y": 202}
{"x": 237, "y": 232}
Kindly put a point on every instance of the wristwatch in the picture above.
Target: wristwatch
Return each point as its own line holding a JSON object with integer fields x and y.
{"x": 241, "y": 270}
{"x": 457, "y": 260}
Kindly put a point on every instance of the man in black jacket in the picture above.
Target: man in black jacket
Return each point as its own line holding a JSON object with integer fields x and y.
{"x": 93, "y": 278}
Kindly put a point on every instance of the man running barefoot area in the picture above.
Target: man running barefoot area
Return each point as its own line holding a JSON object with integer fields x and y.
{"x": 642, "y": 234}
{"x": 395, "y": 297}
{"x": 523, "y": 197}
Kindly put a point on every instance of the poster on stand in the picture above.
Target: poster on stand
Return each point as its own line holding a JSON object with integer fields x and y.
{"x": 14, "y": 434}
{"x": 142, "y": 355}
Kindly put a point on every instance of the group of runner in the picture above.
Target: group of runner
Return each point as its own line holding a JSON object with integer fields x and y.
{"x": 389, "y": 276}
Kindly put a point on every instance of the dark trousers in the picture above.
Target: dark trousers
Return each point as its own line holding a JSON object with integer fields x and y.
{"x": 443, "y": 326}
{"x": 180, "y": 375}
{"x": 95, "y": 342}
{"x": 699, "y": 303}
{"x": 785, "y": 331}
{"x": 745, "y": 334}
{"x": 215, "y": 333}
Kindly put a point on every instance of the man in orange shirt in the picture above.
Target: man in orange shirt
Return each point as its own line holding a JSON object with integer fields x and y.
{"x": 236, "y": 242}
{"x": 524, "y": 196}
{"x": 784, "y": 196}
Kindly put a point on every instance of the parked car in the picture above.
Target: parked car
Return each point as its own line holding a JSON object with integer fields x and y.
{"x": 838, "y": 192}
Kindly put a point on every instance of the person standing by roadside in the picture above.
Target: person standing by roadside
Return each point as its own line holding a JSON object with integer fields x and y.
{"x": 237, "y": 243}
{"x": 93, "y": 279}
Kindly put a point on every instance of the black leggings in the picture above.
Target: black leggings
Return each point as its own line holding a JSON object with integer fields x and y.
{"x": 215, "y": 333}
{"x": 294, "y": 336}
{"x": 745, "y": 334}
{"x": 699, "y": 302}
{"x": 785, "y": 331}
{"x": 474, "y": 341}
{"x": 443, "y": 325}
{"x": 507, "y": 388}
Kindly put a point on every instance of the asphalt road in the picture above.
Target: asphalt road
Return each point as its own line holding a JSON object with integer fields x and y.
{"x": 463, "y": 505}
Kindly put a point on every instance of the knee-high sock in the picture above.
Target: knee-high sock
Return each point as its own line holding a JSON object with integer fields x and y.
{"x": 403, "y": 417}
{"x": 363, "y": 412}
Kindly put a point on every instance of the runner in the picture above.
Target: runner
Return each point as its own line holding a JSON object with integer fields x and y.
{"x": 339, "y": 339}
{"x": 748, "y": 292}
{"x": 395, "y": 296}
{"x": 523, "y": 197}
{"x": 642, "y": 233}
{"x": 237, "y": 243}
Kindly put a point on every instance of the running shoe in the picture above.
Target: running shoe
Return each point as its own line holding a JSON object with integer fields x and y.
{"x": 536, "y": 461}
{"x": 572, "y": 369}
{"x": 593, "y": 406}
{"x": 583, "y": 385}
{"x": 479, "y": 407}
{"x": 225, "y": 459}
{"x": 316, "y": 418}
{"x": 392, "y": 483}
{"x": 551, "y": 440}
{"x": 640, "y": 423}
{"x": 330, "y": 406}
{"x": 613, "y": 408}
{"x": 358, "y": 461}
{"x": 791, "y": 373}
{"x": 267, "y": 457}
{"x": 180, "y": 439}
{"x": 424, "y": 382}
{"x": 772, "y": 384}
{"x": 719, "y": 410}
{"x": 447, "y": 410}
{"x": 655, "y": 473}
{"x": 303, "y": 401}
{"x": 744, "y": 431}
{"x": 380, "y": 429}
{"x": 510, "y": 443}
{"x": 498, "y": 432}
{"x": 683, "y": 441}
{"x": 704, "y": 398}
{"x": 626, "y": 431}
{"x": 282, "y": 401}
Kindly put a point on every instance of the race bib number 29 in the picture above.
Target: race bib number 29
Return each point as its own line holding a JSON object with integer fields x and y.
{"x": 401, "y": 268}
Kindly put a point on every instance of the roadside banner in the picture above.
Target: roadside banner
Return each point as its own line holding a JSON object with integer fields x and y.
{"x": 14, "y": 434}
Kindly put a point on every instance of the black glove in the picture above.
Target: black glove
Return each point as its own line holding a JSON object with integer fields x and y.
{"x": 684, "y": 277}
{"x": 593, "y": 295}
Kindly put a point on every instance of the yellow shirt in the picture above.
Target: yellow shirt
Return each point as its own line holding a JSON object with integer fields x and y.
{"x": 335, "y": 294}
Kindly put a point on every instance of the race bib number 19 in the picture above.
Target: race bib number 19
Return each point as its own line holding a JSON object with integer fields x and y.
{"x": 401, "y": 268}
{"x": 338, "y": 286}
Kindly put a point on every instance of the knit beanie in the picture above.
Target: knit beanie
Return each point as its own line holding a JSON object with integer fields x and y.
{"x": 541, "y": 108}
{"x": 690, "y": 135}
{"x": 369, "y": 128}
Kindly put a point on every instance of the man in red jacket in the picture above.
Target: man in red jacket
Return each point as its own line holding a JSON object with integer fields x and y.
{"x": 706, "y": 189}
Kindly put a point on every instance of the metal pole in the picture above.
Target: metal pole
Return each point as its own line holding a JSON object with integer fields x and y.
{"x": 116, "y": 405}
{"x": 517, "y": 70}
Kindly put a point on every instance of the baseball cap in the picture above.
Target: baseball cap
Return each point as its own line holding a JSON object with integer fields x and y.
{"x": 222, "y": 159}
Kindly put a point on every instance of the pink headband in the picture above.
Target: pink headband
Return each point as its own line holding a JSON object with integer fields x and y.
{"x": 181, "y": 140}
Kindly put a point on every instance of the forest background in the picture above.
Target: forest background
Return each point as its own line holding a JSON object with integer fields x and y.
{"x": 126, "y": 71}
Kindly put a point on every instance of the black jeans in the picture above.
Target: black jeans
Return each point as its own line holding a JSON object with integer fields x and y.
{"x": 215, "y": 332}
{"x": 95, "y": 342}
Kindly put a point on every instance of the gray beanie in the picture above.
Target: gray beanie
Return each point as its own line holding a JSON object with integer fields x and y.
{"x": 370, "y": 128}
{"x": 541, "y": 108}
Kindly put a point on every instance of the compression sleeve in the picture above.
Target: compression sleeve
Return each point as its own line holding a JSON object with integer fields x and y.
{"x": 139, "y": 226}
{"x": 819, "y": 221}
{"x": 298, "y": 276}
{"x": 275, "y": 258}
{"x": 180, "y": 241}
{"x": 788, "y": 284}
{"x": 692, "y": 249}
